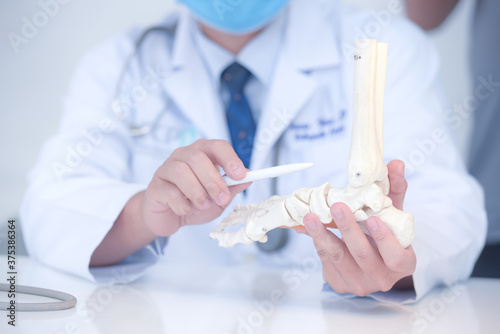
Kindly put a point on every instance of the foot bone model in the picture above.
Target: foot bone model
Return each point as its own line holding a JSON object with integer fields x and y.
{"x": 366, "y": 193}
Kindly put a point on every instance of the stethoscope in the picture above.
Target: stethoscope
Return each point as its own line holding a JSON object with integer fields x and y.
{"x": 136, "y": 130}
{"x": 66, "y": 301}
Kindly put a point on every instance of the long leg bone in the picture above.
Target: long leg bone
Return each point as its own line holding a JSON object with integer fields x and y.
{"x": 366, "y": 194}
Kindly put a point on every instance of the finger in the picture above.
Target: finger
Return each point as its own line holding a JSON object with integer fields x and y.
{"x": 223, "y": 154}
{"x": 302, "y": 230}
{"x": 356, "y": 241}
{"x": 299, "y": 229}
{"x": 329, "y": 247}
{"x": 395, "y": 257}
{"x": 235, "y": 190}
{"x": 208, "y": 175}
{"x": 181, "y": 175}
{"x": 331, "y": 250}
{"x": 398, "y": 183}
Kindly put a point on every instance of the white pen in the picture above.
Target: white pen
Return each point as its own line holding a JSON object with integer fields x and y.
{"x": 266, "y": 173}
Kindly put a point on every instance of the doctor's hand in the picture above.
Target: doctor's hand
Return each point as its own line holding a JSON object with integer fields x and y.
{"x": 361, "y": 264}
{"x": 188, "y": 188}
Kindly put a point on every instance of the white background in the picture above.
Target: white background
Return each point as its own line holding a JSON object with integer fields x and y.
{"x": 34, "y": 80}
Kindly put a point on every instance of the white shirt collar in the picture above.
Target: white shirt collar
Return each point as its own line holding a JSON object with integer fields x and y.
{"x": 258, "y": 56}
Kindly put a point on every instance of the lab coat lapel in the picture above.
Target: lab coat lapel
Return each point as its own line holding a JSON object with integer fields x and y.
{"x": 193, "y": 93}
{"x": 293, "y": 85}
{"x": 290, "y": 90}
{"x": 190, "y": 88}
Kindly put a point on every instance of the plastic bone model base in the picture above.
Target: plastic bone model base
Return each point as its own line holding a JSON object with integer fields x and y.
{"x": 366, "y": 194}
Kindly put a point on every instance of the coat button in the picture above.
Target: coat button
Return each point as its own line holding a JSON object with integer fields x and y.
{"x": 242, "y": 134}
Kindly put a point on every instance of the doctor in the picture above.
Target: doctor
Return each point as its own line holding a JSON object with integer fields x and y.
{"x": 236, "y": 85}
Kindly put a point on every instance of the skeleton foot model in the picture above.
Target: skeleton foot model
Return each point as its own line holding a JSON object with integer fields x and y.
{"x": 366, "y": 194}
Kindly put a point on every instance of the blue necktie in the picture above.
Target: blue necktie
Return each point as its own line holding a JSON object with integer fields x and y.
{"x": 242, "y": 129}
{"x": 239, "y": 116}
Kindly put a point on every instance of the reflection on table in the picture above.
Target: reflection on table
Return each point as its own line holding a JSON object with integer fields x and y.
{"x": 246, "y": 299}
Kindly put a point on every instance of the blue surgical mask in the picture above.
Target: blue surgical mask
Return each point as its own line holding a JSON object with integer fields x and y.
{"x": 235, "y": 16}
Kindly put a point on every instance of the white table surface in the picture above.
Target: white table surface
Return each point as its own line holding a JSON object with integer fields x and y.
{"x": 229, "y": 300}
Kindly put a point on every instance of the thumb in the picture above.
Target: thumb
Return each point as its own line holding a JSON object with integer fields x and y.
{"x": 398, "y": 184}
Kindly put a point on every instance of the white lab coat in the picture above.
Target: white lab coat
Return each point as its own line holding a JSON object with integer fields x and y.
{"x": 74, "y": 198}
